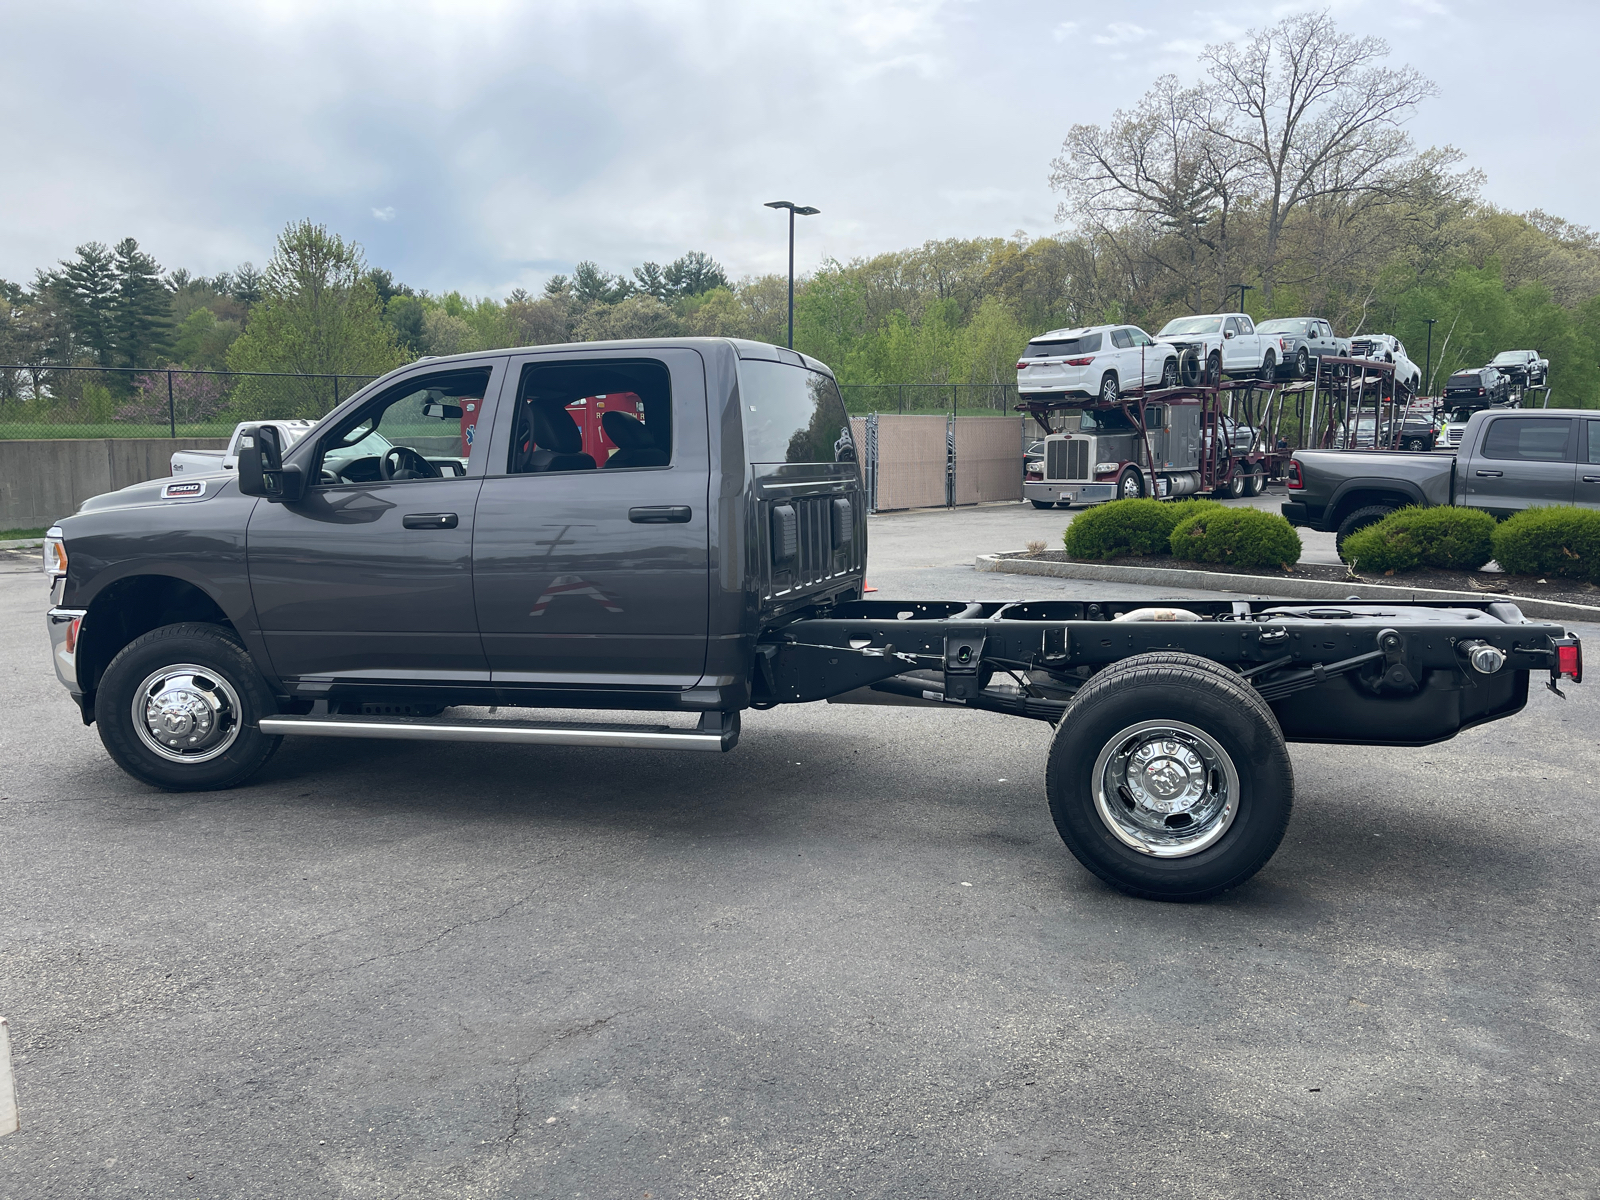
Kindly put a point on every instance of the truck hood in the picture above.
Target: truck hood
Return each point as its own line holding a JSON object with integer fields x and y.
{"x": 185, "y": 489}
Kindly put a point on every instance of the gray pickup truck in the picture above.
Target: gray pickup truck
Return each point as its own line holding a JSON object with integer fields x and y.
{"x": 458, "y": 536}
{"x": 1508, "y": 459}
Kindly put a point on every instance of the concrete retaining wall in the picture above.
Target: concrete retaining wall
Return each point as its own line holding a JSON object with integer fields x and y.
{"x": 42, "y": 481}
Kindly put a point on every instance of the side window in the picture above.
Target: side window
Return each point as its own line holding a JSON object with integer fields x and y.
{"x": 1140, "y": 337}
{"x": 1594, "y": 441}
{"x": 1231, "y": 326}
{"x": 419, "y": 430}
{"x": 613, "y": 414}
{"x": 1528, "y": 439}
{"x": 1121, "y": 339}
{"x": 1246, "y": 325}
{"x": 792, "y": 415}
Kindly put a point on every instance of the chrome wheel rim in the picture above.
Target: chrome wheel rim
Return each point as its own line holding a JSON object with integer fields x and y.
{"x": 1166, "y": 789}
{"x": 1108, "y": 391}
{"x": 1131, "y": 488}
{"x": 186, "y": 713}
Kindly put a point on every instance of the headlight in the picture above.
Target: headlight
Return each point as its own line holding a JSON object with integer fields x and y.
{"x": 55, "y": 553}
{"x": 1102, "y": 468}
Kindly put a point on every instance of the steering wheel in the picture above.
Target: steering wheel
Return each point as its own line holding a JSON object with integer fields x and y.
{"x": 407, "y": 459}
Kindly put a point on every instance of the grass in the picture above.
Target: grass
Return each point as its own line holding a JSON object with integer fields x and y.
{"x": 17, "y": 535}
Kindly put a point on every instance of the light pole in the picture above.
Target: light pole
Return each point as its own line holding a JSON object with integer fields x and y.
{"x": 1427, "y": 371}
{"x": 795, "y": 210}
{"x": 1243, "y": 288}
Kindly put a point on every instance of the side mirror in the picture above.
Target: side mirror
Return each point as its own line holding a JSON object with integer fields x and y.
{"x": 1227, "y": 333}
{"x": 261, "y": 469}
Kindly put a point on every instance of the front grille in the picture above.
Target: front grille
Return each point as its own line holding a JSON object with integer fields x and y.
{"x": 1068, "y": 459}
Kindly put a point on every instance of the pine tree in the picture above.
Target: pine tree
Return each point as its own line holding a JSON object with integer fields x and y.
{"x": 141, "y": 310}
{"x": 88, "y": 288}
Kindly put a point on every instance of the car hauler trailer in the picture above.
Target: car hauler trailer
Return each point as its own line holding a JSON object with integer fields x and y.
{"x": 360, "y": 584}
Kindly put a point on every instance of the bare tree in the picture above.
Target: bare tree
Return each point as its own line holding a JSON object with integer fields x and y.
{"x": 1314, "y": 114}
{"x": 1162, "y": 169}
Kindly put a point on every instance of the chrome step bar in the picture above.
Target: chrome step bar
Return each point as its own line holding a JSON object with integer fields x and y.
{"x": 717, "y": 732}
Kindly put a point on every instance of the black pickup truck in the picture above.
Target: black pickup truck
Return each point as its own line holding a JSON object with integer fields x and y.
{"x": 679, "y": 526}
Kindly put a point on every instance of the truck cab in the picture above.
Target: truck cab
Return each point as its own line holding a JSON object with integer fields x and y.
{"x": 390, "y": 558}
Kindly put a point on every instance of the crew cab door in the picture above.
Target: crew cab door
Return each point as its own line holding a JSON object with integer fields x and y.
{"x": 368, "y": 578}
{"x": 592, "y": 565}
{"x": 1242, "y": 350}
{"x": 1522, "y": 462}
{"x": 1587, "y": 493}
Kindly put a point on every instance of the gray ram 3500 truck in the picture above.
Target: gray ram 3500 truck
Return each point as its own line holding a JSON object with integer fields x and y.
{"x": 679, "y": 525}
{"x": 1509, "y": 459}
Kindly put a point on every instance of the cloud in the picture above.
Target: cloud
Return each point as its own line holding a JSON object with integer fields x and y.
{"x": 1064, "y": 30}
{"x": 1121, "y": 33}
{"x": 384, "y": 214}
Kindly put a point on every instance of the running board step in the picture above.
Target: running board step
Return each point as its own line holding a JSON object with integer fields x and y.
{"x": 717, "y": 732}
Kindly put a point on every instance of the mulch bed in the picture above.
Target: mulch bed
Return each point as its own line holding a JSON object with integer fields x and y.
{"x": 1487, "y": 583}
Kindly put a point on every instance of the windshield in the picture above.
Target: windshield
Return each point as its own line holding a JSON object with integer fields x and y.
{"x": 1460, "y": 416}
{"x": 1285, "y": 325}
{"x": 1191, "y": 325}
{"x": 1511, "y": 357}
{"x": 1106, "y": 420}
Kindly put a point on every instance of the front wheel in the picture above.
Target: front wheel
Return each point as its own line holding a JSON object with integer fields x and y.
{"x": 1130, "y": 485}
{"x": 1169, "y": 373}
{"x": 180, "y": 708}
{"x": 1168, "y": 777}
{"x": 1214, "y": 369}
{"x": 1302, "y": 364}
{"x": 1416, "y": 444}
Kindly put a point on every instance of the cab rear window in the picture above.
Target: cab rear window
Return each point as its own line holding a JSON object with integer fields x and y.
{"x": 792, "y": 415}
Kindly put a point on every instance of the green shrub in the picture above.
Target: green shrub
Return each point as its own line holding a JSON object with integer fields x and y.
{"x": 1239, "y": 537}
{"x": 1563, "y": 540}
{"x": 1455, "y": 539}
{"x": 1135, "y": 527}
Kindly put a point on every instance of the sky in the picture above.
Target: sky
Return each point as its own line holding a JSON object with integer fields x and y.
{"x": 485, "y": 145}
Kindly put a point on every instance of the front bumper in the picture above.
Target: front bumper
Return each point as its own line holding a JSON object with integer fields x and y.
{"x": 66, "y": 625}
{"x": 1062, "y": 492}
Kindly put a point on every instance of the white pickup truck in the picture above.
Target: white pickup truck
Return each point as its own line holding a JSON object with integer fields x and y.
{"x": 1210, "y": 347}
{"x": 209, "y": 462}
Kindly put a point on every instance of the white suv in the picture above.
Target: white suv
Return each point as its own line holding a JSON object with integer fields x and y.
{"x": 1097, "y": 360}
{"x": 1385, "y": 347}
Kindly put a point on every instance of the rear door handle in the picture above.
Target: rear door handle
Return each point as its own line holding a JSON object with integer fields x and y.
{"x": 660, "y": 514}
{"x": 1490, "y": 474}
{"x": 1591, "y": 478}
{"x": 429, "y": 521}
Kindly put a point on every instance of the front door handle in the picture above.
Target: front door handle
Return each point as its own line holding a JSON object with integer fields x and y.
{"x": 660, "y": 514}
{"x": 1490, "y": 474}
{"x": 429, "y": 521}
{"x": 1591, "y": 478}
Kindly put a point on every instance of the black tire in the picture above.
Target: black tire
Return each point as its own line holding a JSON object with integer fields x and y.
{"x": 1255, "y": 481}
{"x": 1360, "y": 519}
{"x": 1169, "y": 373}
{"x": 1269, "y": 366}
{"x": 1416, "y": 444}
{"x": 225, "y": 689}
{"x": 1302, "y": 363}
{"x": 1230, "y": 717}
{"x": 1234, "y": 487}
{"x": 1189, "y": 367}
{"x": 1214, "y": 368}
{"x": 1130, "y": 484}
{"x": 1042, "y": 503}
{"x": 1109, "y": 389}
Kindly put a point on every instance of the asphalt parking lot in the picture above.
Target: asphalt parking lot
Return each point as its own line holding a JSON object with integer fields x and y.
{"x": 851, "y": 958}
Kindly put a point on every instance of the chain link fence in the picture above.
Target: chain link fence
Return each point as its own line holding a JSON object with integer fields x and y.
{"x": 959, "y": 399}
{"x": 117, "y": 402}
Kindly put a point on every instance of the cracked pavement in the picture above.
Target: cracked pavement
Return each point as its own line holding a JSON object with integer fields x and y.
{"x": 385, "y": 969}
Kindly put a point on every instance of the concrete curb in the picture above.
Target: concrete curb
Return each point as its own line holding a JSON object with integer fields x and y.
{"x": 1257, "y": 585}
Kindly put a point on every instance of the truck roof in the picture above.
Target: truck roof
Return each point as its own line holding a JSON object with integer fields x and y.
{"x": 743, "y": 347}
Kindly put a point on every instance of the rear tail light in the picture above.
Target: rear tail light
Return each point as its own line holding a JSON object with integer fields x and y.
{"x": 1021, "y": 365}
{"x": 1480, "y": 391}
{"x": 1294, "y": 480}
{"x": 1569, "y": 659}
{"x": 1079, "y": 362}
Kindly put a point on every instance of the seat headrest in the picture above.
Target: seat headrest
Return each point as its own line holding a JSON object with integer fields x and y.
{"x": 554, "y": 429}
{"x": 626, "y": 431}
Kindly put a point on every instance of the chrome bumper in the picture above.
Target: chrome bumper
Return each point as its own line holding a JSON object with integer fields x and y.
{"x": 1062, "y": 492}
{"x": 65, "y": 625}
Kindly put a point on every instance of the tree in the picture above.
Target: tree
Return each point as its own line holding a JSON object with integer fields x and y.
{"x": 1313, "y": 115}
{"x": 693, "y": 274}
{"x": 318, "y": 314}
{"x": 88, "y": 286}
{"x": 591, "y": 285}
{"x": 141, "y": 310}
{"x": 649, "y": 280}
{"x": 247, "y": 284}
